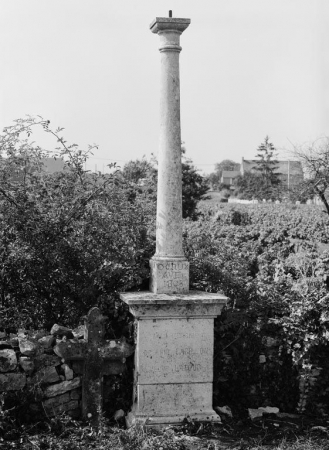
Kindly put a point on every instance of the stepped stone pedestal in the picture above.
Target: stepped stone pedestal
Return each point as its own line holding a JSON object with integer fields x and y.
{"x": 174, "y": 356}
{"x": 175, "y": 326}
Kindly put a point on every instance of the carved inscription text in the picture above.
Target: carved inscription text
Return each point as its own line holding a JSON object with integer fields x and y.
{"x": 177, "y": 350}
{"x": 173, "y": 274}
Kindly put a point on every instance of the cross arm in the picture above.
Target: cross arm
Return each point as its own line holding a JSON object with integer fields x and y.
{"x": 71, "y": 349}
{"x": 78, "y": 350}
{"x": 116, "y": 349}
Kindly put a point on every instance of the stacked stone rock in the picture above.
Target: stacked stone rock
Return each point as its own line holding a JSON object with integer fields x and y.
{"x": 28, "y": 360}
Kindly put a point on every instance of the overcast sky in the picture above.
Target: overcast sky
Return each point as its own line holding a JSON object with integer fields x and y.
{"x": 249, "y": 68}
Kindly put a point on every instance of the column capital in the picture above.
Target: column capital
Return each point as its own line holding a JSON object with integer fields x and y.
{"x": 161, "y": 24}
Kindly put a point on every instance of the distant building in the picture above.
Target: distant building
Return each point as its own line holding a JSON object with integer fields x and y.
{"x": 228, "y": 176}
{"x": 290, "y": 172}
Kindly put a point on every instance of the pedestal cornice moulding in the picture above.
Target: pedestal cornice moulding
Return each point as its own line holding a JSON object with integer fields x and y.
{"x": 195, "y": 304}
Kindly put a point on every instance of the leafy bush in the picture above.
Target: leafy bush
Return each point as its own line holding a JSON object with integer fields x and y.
{"x": 270, "y": 342}
{"x": 142, "y": 176}
{"x": 69, "y": 240}
{"x": 72, "y": 240}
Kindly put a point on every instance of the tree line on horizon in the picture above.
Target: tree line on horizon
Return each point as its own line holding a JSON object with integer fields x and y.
{"x": 264, "y": 181}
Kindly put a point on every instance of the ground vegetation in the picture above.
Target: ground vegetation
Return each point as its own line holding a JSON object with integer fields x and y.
{"x": 69, "y": 240}
{"x": 271, "y": 260}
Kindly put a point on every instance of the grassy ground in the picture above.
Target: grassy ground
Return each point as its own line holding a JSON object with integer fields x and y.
{"x": 266, "y": 433}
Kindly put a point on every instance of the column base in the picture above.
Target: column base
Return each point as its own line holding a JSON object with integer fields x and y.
{"x": 133, "y": 419}
{"x": 169, "y": 275}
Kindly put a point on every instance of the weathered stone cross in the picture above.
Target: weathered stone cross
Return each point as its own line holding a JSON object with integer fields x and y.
{"x": 99, "y": 358}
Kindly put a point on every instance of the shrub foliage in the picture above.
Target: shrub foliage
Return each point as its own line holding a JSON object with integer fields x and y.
{"x": 69, "y": 240}
{"x": 272, "y": 261}
{"x": 73, "y": 239}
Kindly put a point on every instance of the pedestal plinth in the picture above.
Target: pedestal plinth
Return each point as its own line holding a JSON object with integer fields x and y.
{"x": 174, "y": 356}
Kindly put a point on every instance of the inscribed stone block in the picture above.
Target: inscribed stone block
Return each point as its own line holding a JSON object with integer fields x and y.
{"x": 169, "y": 276}
{"x": 162, "y": 360}
{"x": 175, "y": 399}
{"x": 174, "y": 356}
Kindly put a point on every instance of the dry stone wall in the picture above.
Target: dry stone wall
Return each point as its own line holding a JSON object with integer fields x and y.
{"x": 34, "y": 363}
{"x": 28, "y": 361}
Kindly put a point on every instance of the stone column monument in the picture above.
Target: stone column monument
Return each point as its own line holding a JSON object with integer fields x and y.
{"x": 175, "y": 327}
{"x": 169, "y": 243}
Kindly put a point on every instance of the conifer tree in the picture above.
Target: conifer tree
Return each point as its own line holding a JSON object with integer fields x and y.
{"x": 266, "y": 167}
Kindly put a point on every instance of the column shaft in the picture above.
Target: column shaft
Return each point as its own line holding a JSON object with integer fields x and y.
{"x": 169, "y": 267}
{"x": 169, "y": 200}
